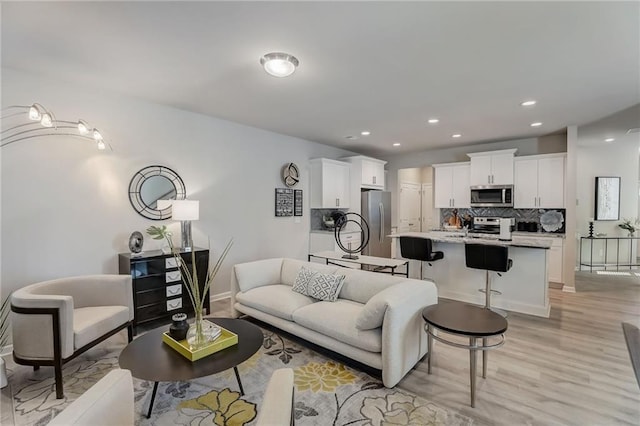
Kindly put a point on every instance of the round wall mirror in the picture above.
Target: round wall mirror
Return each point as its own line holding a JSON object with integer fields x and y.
{"x": 151, "y": 190}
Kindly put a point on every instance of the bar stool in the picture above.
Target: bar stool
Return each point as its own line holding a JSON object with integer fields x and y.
{"x": 489, "y": 257}
{"x": 416, "y": 248}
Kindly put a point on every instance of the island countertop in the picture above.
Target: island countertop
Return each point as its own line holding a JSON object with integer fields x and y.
{"x": 460, "y": 238}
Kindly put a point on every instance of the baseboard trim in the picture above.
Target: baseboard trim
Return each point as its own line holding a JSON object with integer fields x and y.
{"x": 568, "y": 289}
{"x": 220, "y": 296}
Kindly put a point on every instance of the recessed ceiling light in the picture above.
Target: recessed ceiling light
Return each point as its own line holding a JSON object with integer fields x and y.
{"x": 396, "y": 144}
{"x": 609, "y": 140}
{"x": 456, "y": 135}
{"x": 536, "y": 124}
{"x": 365, "y": 133}
{"x": 528, "y": 103}
{"x": 351, "y": 137}
{"x": 279, "y": 64}
{"x": 433, "y": 121}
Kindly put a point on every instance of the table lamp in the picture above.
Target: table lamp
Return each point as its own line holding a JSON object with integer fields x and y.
{"x": 186, "y": 211}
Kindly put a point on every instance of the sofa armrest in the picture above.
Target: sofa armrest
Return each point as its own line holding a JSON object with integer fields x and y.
{"x": 245, "y": 276}
{"x": 277, "y": 404}
{"x": 108, "y": 402}
{"x": 32, "y": 333}
{"x": 404, "y": 341}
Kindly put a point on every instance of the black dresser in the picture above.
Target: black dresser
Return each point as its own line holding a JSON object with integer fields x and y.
{"x": 158, "y": 288}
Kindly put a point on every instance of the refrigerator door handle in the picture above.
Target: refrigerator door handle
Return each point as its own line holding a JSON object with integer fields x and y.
{"x": 381, "y": 207}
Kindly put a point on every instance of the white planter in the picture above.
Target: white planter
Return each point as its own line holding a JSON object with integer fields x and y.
{"x": 3, "y": 373}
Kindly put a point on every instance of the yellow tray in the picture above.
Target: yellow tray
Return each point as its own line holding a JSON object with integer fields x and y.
{"x": 225, "y": 340}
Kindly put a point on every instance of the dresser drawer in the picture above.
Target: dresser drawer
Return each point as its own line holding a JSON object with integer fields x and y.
{"x": 149, "y": 283}
{"x": 150, "y": 312}
{"x": 145, "y": 268}
{"x": 172, "y": 276}
{"x": 150, "y": 297}
{"x": 171, "y": 263}
{"x": 173, "y": 304}
{"x": 173, "y": 290}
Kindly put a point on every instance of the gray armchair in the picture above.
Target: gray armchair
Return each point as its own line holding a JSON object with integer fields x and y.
{"x": 55, "y": 321}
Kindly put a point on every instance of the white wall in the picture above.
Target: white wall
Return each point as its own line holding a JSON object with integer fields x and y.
{"x": 65, "y": 207}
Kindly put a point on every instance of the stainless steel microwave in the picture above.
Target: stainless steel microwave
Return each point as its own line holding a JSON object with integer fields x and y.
{"x": 492, "y": 196}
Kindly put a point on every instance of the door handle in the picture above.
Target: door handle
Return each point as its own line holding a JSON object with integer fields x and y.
{"x": 381, "y": 207}
{"x": 337, "y": 202}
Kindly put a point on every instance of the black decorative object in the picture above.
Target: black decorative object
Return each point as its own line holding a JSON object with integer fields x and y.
{"x": 290, "y": 174}
{"x": 297, "y": 202}
{"x": 136, "y": 240}
{"x": 341, "y": 222}
{"x": 152, "y": 185}
{"x": 590, "y": 229}
{"x": 284, "y": 202}
{"x": 607, "y": 204}
{"x": 179, "y": 327}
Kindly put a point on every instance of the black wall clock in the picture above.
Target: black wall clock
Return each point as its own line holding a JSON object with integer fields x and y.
{"x": 290, "y": 174}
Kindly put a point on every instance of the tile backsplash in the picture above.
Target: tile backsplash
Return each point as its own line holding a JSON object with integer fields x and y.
{"x": 521, "y": 215}
{"x": 316, "y": 215}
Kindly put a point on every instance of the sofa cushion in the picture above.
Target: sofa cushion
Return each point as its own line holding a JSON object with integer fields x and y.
{"x": 338, "y": 320}
{"x": 258, "y": 273}
{"x": 92, "y": 323}
{"x": 290, "y": 268}
{"x": 360, "y": 286}
{"x": 318, "y": 285}
{"x": 277, "y": 300}
{"x": 372, "y": 314}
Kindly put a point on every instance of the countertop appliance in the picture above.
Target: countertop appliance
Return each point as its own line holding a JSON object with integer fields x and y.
{"x": 489, "y": 225}
{"x": 376, "y": 210}
{"x": 492, "y": 196}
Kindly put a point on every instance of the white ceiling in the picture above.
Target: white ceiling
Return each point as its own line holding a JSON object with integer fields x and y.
{"x": 385, "y": 67}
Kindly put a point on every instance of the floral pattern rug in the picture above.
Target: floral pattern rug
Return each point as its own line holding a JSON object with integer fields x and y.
{"x": 326, "y": 392}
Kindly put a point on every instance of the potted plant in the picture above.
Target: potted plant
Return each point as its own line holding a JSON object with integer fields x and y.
{"x": 629, "y": 225}
{"x": 198, "y": 335}
{"x": 4, "y": 337}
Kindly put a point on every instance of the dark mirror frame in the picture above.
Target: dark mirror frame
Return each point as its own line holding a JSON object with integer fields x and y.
{"x": 135, "y": 187}
{"x": 607, "y": 190}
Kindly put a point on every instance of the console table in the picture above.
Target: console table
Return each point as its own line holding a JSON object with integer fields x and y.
{"x": 632, "y": 262}
{"x": 378, "y": 264}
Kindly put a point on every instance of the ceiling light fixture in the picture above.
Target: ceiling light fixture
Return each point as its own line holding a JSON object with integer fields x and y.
{"x": 609, "y": 140}
{"x": 42, "y": 122}
{"x": 536, "y": 124}
{"x": 456, "y": 135}
{"x": 365, "y": 133}
{"x": 279, "y": 64}
{"x": 528, "y": 103}
{"x": 396, "y": 144}
{"x": 433, "y": 121}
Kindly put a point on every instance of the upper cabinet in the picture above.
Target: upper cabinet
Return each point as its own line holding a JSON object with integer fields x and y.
{"x": 367, "y": 172}
{"x": 492, "y": 168}
{"x": 451, "y": 185}
{"x": 539, "y": 181}
{"x": 329, "y": 183}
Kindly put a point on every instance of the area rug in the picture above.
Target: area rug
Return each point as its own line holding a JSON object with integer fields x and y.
{"x": 326, "y": 392}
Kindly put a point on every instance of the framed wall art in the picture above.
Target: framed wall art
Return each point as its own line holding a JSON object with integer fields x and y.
{"x": 297, "y": 202}
{"x": 607, "y": 200}
{"x": 284, "y": 202}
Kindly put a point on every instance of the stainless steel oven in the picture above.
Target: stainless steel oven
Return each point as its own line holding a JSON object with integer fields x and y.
{"x": 492, "y": 196}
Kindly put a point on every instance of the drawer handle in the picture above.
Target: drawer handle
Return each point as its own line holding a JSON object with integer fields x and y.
{"x": 174, "y": 290}
{"x": 170, "y": 262}
{"x": 174, "y": 304}
{"x": 172, "y": 276}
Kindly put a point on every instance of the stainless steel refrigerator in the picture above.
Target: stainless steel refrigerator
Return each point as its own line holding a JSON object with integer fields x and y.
{"x": 376, "y": 210}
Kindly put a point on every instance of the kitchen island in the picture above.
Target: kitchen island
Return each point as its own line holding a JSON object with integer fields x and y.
{"x": 524, "y": 287}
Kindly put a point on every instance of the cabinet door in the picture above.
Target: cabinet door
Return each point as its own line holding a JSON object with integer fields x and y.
{"x": 378, "y": 174}
{"x": 443, "y": 187}
{"x": 502, "y": 169}
{"x": 372, "y": 174}
{"x": 410, "y": 206}
{"x": 525, "y": 185}
{"x": 551, "y": 182}
{"x": 335, "y": 185}
{"x": 555, "y": 264}
{"x": 461, "y": 193}
{"x": 480, "y": 173}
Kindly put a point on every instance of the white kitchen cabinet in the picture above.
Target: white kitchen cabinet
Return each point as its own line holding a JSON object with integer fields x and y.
{"x": 451, "y": 186}
{"x": 366, "y": 172}
{"x": 555, "y": 259}
{"x": 491, "y": 168}
{"x": 330, "y": 183}
{"x": 539, "y": 182}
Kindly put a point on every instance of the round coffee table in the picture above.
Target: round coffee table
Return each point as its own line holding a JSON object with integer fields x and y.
{"x": 469, "y": 321}
{"x": 149, "y": 358}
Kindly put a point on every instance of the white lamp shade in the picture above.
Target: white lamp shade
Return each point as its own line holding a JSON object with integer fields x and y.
{"x": 185, "y": 210}
{"x": 163, "y": 204}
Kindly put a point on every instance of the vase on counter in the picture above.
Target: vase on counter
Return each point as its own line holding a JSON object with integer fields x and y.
{"x": 179, "y": 327}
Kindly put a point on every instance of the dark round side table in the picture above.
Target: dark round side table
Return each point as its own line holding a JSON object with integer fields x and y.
{"x": 149, "y": 358}
{"x": 469, "y": 321}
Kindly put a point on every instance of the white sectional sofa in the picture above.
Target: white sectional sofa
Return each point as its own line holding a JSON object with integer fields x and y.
{"x": 376, "y": 319}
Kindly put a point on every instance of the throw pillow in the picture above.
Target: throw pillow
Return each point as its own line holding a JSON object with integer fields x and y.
{"x": 325, "y": 286}
{"x": 301, "y": 283}
{"x": 372, "y": 314}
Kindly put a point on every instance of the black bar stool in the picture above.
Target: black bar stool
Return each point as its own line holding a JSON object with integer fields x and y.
{"x": 489, "y": 257}
{"x": 416, "y": 248}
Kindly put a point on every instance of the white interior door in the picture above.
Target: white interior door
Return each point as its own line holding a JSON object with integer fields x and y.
{"x": 409, "y": 207}
{"x": 427, "y": 213}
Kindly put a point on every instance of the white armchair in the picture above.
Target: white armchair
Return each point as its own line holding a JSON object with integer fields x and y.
{"x": 55, "y": 321}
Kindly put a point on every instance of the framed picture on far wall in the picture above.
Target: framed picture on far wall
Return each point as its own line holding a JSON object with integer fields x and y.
{"x": 607, "y": 199}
